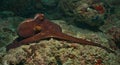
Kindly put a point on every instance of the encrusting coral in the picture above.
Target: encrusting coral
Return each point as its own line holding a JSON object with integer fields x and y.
{"x": 48, "y": 52}
{"x": 27, "y": 33}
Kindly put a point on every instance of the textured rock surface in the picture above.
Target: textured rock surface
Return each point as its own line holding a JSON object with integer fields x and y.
{"x": 55, "y": 52}
{"x": 7, "y": 30}
{"x": 84, "y": 12}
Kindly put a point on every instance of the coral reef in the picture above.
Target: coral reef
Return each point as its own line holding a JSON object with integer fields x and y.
{"x": 83, "y": 11}
{"x": 7, "y": 30}
{"x": 111, "y": 28}
{"x": 102, "y": 14}
{"x": 114, "y": 32}
{"x": 63, "y": 53}
{"x": 48, "y": 52}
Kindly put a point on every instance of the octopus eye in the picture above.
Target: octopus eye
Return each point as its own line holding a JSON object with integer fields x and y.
{"x": 37, "y": 29}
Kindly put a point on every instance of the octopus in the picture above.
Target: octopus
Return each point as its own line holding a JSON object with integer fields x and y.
{"x": 40, "y": 28}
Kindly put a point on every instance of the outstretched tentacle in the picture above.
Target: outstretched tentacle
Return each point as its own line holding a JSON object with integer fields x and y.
{"x": 26, "y": 41}
{"x": 65, "y": 37}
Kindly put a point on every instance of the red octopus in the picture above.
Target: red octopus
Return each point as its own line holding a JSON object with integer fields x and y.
{"x": 40, "y": 28}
